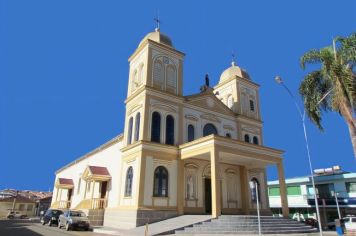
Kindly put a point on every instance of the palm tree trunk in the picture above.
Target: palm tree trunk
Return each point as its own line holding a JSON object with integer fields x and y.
{"x": 352, "y": 130}
{"x": 346, "y": 113}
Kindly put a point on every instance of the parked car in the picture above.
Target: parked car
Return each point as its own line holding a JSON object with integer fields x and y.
{"x": 349, "y": 223}
{"x": 51, "y": 217}
{"x": 73, "y": 220}
{"x": 15, "y": 215}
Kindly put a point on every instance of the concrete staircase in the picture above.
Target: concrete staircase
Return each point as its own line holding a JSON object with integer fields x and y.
{"x": 239, "y": 224}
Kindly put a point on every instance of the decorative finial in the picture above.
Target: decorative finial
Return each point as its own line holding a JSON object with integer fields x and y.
{"x": 233, "y": 58}
{"x": 158, "y": 21}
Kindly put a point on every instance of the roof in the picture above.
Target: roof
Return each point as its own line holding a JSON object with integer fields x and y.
{"x": 65, "y": 181}
{"x": 233, "y": 71}
{"x": 33, "y": 195}
{"x": 99, "y": 170}
{"x": 19, "y": 199}
{"x": 158, "y": 37}
{"x": 96, "y": 150}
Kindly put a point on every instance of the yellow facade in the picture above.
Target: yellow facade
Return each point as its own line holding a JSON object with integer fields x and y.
{"x": 185, "y": 154}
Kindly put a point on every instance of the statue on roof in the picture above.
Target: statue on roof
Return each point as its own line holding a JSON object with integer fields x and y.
{"x": 207, "y": 82}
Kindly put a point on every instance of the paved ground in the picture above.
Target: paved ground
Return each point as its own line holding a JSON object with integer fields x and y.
{"x": 158, "y": 227}
{"x": 27, "y": 228}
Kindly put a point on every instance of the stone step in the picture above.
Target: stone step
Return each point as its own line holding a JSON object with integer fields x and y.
{"x": 247, "y": 232}
{"x": 254, "y": 219}
{"x": 251, "y": 227}
{"x": 233, "y": 224}
{"x": 247, "y": 224}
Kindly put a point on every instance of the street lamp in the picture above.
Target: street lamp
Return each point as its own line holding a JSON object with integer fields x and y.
{"x": 302, "y": 118}
{"x": 337, "y": 203}
{"x": 254, "y": 186}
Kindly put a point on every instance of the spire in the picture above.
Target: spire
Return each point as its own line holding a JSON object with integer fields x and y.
{"x": 158, "y": 21}
{"x": 233, "y": 58}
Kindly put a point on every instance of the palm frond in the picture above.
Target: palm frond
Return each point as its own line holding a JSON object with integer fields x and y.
{"x": 312, "y": 89}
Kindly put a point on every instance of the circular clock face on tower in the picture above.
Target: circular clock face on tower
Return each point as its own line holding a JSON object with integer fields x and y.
{"x": 210, "y": 102}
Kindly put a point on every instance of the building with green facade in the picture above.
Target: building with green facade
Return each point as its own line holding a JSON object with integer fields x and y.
{"x": 301, "y": 195}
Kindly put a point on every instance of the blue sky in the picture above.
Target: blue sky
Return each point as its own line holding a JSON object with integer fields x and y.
{"x": 64, "y": 72}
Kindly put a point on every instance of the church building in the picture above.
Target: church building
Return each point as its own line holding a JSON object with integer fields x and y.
{"x": 195, "y": 154}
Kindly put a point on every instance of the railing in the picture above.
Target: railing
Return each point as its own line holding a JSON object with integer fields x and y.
{"x": 61, "y": 205}
{"x": 64, "y": 204}
{"x": 98, "y": 203}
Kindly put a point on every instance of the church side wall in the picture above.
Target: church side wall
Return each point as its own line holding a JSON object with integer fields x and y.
{"x": 110, "y": 158}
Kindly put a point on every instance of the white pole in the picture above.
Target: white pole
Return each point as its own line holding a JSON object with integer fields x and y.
{"x": 258, "y": 210}
{"x": 302, "y": 117}
{"x": 337, "y": 205}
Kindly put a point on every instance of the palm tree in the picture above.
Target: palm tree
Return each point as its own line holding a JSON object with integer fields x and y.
{"x": 332, "y": 87}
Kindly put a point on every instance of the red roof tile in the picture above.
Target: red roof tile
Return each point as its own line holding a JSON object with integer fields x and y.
{"x": 19, "y": 199}
{"x": 65, "y": 181}
{"x": 99, "y": 170}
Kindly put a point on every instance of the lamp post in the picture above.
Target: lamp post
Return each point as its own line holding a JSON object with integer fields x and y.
{"x": 254, "y": 185}
{"x": 337, "y": 203}
{"x": 302, "y": 118}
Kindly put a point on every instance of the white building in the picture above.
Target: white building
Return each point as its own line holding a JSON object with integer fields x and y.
{"x": 301, "y": 195}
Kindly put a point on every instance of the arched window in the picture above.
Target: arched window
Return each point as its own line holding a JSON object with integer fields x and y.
{"x": 230, "y": 102}
{"x": 156, "y": 127}
{"x": 252, "y": 105}
{"x": 171, "y": 79}
{"x": 129, "y": 137}
{"x": 247, "y": 138}
{"x": 190, "y": 133}
{"x": 128, "y": 183}
{"x": 137, "y": 126}
{"x": 158, "y": 74}
{"x": 209, "y": 129}
{"x": 255, "y": 140}
{"x": 170, "y": 130}
{"x": 228, "y": 135}
{"x": 160, "y": 186}
{"x": 254, "y": 195}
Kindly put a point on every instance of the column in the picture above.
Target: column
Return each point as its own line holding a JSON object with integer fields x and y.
{"x": 57, "y": 191}
{"x": 283, "y": 189}
{"x": 140, "y": 189}
{"x": 60, "y": 194}
{"x": 180, "y": 192}
{"x": 85, "y": 189}
{"x": 215, "y": 183}
{"x": 245, "y": 190}
{"x": 92, "y": 195}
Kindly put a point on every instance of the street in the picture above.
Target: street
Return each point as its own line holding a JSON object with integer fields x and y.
{"x": 28, "y": 228}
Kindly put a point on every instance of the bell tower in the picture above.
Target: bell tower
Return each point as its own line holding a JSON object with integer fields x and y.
{"x": 156, "y": 63}
{"x": 155, "y": 66}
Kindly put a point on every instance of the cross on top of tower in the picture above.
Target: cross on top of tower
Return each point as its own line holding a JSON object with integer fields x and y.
{"x": 158, "y": 21}
{"x": 233, "y": 58}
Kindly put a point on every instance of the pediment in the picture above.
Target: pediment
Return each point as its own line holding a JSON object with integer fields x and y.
{"x": 210, "y": 102}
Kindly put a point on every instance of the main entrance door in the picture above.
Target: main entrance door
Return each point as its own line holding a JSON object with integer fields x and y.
{"x": 207, "y": 187}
